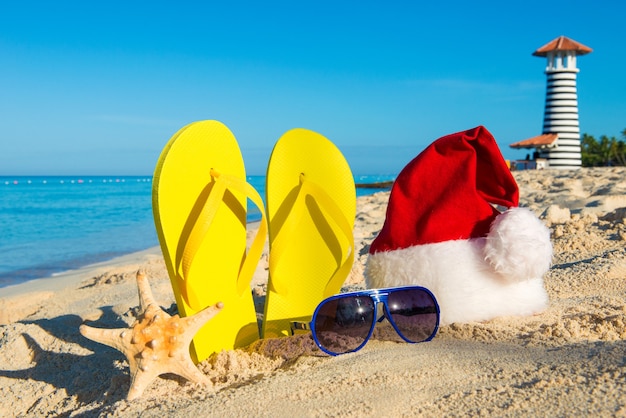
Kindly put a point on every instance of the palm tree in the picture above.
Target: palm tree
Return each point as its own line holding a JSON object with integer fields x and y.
{"x": 606, "y": 152}
{"x": 620, "y": 152}
{"x": 589, "y": 151}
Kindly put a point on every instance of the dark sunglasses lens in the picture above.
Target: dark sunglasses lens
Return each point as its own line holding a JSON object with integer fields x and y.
{"x": 414, "y": 311}
{"x": 343, "y": 324}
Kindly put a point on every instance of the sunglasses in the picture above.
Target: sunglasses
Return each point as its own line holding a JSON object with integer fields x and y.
{"x": 344, "y": 323}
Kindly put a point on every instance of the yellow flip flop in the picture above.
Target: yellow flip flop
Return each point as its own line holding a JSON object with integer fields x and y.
{"x": 199, "y": 198}
{"x": 311, "y": 205}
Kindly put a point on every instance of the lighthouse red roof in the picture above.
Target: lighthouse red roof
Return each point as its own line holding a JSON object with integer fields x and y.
{"x": 541, "y": 141}
{"x": 562, "y": 43}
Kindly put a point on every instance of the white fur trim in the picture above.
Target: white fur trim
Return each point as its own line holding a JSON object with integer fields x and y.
{"x": 466, "y": 285}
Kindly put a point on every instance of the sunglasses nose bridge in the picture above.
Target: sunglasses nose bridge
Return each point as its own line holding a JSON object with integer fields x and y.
{"x": 379, "y": 297}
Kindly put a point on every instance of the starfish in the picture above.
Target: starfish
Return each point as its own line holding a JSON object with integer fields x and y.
{"x": 156, "y": 343}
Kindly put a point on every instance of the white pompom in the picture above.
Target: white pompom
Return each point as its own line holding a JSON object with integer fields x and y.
{"x": 518, "y": 245}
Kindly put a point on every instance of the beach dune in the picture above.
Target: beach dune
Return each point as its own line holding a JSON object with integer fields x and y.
{"x": 568, "y": 360}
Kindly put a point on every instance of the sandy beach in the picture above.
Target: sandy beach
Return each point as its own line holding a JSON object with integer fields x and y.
{"x": 567, "y": 361}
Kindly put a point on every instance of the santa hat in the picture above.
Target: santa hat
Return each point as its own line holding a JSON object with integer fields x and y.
{"x": 443, "y": 231}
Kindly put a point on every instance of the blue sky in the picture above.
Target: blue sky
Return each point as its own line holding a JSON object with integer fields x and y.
{"x": 99, "y": 87}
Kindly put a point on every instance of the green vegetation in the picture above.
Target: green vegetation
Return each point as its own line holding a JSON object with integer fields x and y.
{"x": 605, "y": 152}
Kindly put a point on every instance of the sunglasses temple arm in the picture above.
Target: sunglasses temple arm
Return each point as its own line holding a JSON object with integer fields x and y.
{"x": 299, "y": 326}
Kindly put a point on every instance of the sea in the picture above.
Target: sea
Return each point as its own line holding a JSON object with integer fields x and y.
{"x": 53, "y": 224}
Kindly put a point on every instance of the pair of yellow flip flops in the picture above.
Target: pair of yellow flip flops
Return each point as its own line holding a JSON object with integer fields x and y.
{"x": 200, "y": 198}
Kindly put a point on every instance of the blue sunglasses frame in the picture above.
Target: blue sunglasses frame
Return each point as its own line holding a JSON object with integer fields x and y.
{"x": 378, "y": 296}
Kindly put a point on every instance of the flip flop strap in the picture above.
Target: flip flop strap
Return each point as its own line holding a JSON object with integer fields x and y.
{"x": 280, "y": 242}
{"x": 203, "y": 223}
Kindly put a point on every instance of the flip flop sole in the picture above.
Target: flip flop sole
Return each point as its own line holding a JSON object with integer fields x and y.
{"x": 314, "y": 245}
{"x": 181, "y": 187}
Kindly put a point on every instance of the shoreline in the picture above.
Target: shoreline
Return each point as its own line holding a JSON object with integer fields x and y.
{"x": 58, "y": 281}
{"x": 50, "y": 267}
{"x": 68, "y": 278}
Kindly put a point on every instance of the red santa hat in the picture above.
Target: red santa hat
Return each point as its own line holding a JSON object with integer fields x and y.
{"x": 447, "y": 192}
{"x": 443, "y": 231}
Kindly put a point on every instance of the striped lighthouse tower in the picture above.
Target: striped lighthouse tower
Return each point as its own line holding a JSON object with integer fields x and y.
{"x": 561, "y": 111}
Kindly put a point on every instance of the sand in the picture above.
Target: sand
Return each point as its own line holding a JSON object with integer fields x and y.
{"x": 569, "y": 360}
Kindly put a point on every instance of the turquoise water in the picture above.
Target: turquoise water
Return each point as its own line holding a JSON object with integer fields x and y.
{"x": 54, "y": 224}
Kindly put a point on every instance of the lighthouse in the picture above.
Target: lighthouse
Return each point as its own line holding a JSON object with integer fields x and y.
{"x": 560, "y": 119}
